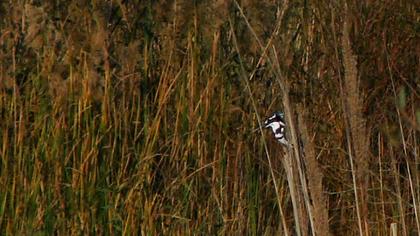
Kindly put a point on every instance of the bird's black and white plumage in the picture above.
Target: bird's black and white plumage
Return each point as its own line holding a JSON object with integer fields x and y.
{"x": 278, "y": 126}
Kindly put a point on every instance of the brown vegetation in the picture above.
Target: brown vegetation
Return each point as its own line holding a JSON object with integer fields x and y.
{"x": 136, "y": 117}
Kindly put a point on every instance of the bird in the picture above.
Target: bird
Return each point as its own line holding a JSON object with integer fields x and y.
{"x": 278, "y": 126}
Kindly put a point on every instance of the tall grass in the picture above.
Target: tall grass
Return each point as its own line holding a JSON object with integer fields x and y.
{"x": 137, "y": 118}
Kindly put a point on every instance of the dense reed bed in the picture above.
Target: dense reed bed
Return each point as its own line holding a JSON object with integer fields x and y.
{"x": 139, "y": 118}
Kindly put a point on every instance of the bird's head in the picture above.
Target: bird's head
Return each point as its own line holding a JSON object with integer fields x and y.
{"x": 274, "y": 120}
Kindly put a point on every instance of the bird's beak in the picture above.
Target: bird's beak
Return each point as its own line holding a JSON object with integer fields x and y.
{"x": 265, "y": 124}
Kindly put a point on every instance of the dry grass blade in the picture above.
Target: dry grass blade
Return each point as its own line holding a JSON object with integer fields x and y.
{"x": 357, "y": 124}
{"x": 318, "y": 201}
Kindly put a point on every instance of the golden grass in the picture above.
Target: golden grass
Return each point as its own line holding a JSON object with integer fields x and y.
{"x": 356, "y": 125}
{"x": 136, "y": 118}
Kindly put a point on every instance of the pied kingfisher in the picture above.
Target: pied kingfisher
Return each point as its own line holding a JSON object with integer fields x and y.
{"x": 277, "y": 125}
